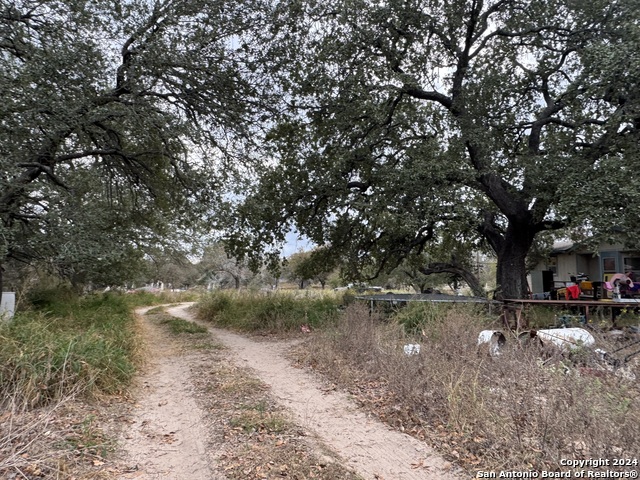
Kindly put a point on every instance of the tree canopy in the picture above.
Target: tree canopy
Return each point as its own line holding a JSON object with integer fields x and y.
{"x": 315, "y": 265}
{"x": 119, "y": 117}
{"x": 482, "y": 122}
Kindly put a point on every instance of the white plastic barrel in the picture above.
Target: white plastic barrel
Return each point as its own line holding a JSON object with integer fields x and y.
{"x": 566, "y": 338}
{"x": 494, "y": 338}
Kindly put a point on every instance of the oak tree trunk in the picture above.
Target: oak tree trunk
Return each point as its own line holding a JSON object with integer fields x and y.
{"x": 511, "y": 275}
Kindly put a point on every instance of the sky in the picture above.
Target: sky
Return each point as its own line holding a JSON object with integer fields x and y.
{"x": 294, "y": 243}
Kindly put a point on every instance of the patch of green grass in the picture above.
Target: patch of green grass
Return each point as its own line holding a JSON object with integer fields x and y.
{"x": 418, "y": 317}
{"x": 155, "y": 310}
{"x": 142, "y": 298}
{"x": 273, "y": 312}
{"x": 178, "y": 326}
{"x": 242, "y": 385}
{"x": 261, "y": 406}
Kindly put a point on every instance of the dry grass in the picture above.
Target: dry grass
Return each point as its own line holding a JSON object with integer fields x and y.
{"x": 64, "y": 347}
{"x": 73, "y": 438}
{"x": 61, "y": 362}
{"x": 70, "y": 439}
{"x": 512, "y": 412}
{"x": 259, "y": 438}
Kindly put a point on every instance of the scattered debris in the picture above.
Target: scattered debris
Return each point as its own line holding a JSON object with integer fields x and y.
{"x": 412, "y": 349}
{"x": 566, "y": 338}
{"x": 494, "y": 339}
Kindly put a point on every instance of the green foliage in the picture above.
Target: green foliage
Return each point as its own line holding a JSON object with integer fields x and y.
{"x": 48, "y": 299}
{"x": 477, "y": 125}
{"x": 219, "y": 268}
{"x": 66, "y": 345}
{"x": 310, "y": 266}
{"x": 62, "y": 299}
{"x": 298, "y": 268}
{"x": 172, "y": 267}
{"x": 142, "y": 298}
{"x": 273, "y": 312}
{"x": 417, "y": 316}
{"x": 427, "y": 318}
{"x": 215, "y": 305}
{"x": 410, "y": 271}
{"x": 118, "y": 120}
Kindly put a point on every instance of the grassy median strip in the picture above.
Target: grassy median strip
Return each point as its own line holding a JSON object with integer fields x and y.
{"x": 178, "y": 326}
{"x": 261, "y": 440}
{"x": 199, "y": 338}
{"x": 272, "y": 312}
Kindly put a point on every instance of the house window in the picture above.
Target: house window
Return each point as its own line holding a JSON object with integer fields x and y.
{"x": 609, "y": 265}
{"x": 632, "y": 263}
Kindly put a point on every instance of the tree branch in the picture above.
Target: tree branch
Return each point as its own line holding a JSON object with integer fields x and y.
{"x": 433, "y": 96}
{"x": 458, "y": 270}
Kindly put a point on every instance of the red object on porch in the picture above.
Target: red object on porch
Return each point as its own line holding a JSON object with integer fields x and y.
{"x": 573, "y": 292}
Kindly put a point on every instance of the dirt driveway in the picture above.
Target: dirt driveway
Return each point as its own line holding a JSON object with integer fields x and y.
{"x": 170, "y": 439}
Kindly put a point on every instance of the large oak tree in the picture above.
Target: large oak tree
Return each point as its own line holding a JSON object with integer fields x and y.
{"x": 483, "y": 121}
{"x": 139, "y": 108}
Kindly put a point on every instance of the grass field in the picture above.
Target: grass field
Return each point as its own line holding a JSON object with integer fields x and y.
{"x": 524, "y": 410}
{"x": 60, "y": 344}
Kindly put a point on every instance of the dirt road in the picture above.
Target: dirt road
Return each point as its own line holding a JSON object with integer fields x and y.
{"x": 167, "y": 433}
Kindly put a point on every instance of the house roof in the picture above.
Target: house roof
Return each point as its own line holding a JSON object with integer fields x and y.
{"x": 586, "y": 248}
{"x": 563, "y": 246}
{"x": 567, "y": 246}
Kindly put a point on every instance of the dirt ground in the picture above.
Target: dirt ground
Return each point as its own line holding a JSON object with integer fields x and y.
{"x": 172, "y": 434}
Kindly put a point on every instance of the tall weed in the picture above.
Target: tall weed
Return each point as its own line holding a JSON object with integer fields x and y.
{"x": 272, "y": 312}
{"x": 65, "y": 345}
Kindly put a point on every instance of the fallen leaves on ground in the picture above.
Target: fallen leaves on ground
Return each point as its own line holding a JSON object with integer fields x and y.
{"x": 260, "y": 440}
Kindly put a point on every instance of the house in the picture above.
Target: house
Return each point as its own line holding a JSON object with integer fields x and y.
{"x": 569, "y": 260}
